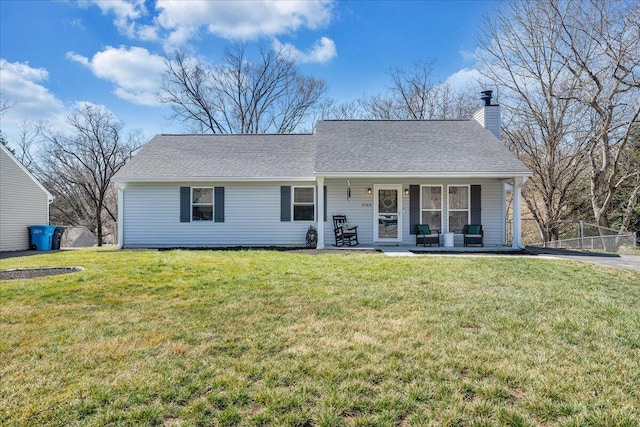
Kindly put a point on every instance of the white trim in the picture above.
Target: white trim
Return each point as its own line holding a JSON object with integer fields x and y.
{"x": 434, "y": 210}
{"x": 376, "y": 188}
{"x": 458, "y": 210}
{"x": 484, "y": 174}
{"x": 120, "y": 217}
{"x": 213, "y": 209}
{"x": 311, "y": 179}
{"x": 320, "y": 209}
{"x": 372, "y": 175}
{"x": 293, "y": 202}
{"x": 29, "y": 174}
{"x": 518, "y": 182}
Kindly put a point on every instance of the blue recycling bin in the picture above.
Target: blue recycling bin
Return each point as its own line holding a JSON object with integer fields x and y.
{"x": 41, "y": 236}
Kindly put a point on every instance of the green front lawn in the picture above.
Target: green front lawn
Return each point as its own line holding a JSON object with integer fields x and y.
{"x": 291, "y": 339}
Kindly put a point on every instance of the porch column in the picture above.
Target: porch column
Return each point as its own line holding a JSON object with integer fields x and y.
{"x": 320, "y": 210}
{"x": 120, "y": 216}
{"x": 518, "y": 182}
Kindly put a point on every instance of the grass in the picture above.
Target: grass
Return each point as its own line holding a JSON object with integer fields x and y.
{"x": 339, "y": 339}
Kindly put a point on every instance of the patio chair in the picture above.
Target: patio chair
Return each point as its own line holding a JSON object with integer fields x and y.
{"x": 425, "y": 236}
{"x": 473, "y": 234}
{"x": 345, "y": 235}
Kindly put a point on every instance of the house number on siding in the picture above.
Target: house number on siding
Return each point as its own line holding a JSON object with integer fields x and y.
{"x": 366, "y": 205}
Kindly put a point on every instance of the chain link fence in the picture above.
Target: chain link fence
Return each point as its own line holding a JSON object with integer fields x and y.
{"x": 580, "y": 236}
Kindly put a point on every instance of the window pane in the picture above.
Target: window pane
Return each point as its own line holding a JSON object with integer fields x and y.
{"x": 203, "y": 195}
{"x": 431, "y": 197}
{"x": 458, "y": 197}
{"x": 303, "y": 195}
{"x": 433, "y": 219}
{"x": 388, "y": 201}
{"x": 303, "y": 213}
{"x": 457, "y": 220}
{"x": 202, "y": 213}
{"x": 388, "y": 226}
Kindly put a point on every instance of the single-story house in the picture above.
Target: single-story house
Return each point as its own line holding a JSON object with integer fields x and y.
{"x": 386, "y": 176}
{"x": 23, "y": 202}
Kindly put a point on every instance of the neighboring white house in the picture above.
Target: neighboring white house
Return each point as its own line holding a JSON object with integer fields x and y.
{"x": 386, "y": 176}
{"x": 23, "y": 202}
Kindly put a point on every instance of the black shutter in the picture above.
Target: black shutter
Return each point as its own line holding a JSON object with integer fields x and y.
{"x": 476, "y": 204}
{"x": 325, "y": 203}
{"x": 185, "y": 204}
{"x": 218, "y": 204}
{"x": 285, "y": 203}
{"x": 414, "y": 207}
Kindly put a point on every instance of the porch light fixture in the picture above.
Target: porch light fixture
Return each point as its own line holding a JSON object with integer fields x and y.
{"x": 369, "y": 191}
{"x": 406, "y": 191}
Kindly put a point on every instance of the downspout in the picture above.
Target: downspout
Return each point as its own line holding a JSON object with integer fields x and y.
{"x": 49, "y": 201}
{"x": 517, "y": 212}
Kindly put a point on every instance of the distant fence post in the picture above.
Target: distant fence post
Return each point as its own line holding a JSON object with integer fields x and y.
{"x": 581, "y": 234}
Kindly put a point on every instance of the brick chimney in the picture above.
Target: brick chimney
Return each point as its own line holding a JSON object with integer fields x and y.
{"x": 489, "y": 115}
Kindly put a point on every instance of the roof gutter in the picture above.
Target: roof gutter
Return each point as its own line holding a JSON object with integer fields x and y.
{"x": 484, "y": 174}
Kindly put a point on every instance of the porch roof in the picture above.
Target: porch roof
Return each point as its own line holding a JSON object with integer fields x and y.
{"x": 412, "y": 148}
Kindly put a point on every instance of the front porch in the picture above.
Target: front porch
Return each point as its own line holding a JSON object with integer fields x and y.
{"x": 404, "y": 250}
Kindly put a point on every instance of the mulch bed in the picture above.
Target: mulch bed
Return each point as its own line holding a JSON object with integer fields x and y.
{"x": 32, "y": 273}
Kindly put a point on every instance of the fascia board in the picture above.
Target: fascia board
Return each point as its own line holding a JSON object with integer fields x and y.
{"x": 214, "y": 178}
{"x": 423, "y": 174}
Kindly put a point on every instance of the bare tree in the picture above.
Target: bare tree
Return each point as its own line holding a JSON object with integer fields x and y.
{"x": 518, "y": 55}
{"x": 599, "y": 41}
{"x": 78, "y": 167}
{"x": 413, "y": 94}
{"x": 240, "y": 96}
{"x": 4, "y": 104}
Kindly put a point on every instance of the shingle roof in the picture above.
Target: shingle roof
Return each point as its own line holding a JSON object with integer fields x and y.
{"x": 338, "y": 148}
{"x": 176, "y": 157}
{"x": 426, "y": 147}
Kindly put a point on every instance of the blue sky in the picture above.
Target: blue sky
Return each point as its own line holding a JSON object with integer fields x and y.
{"x": 56, "y": 54}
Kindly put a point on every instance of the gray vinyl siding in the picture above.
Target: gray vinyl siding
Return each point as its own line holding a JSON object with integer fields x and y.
{"x": 251, "y": 217}
{"x": 252, "y": 214}
{"x": 360, "y": 211}
{"x": 489, "y": 118}
{"x": 22, "y": 203}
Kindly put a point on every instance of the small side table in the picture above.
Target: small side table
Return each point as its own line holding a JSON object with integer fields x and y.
{"x": 448, "y": 240}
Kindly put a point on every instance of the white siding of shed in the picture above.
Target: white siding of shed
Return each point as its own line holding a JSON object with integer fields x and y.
{"x": 22, "y": 203}
{"x": 252, "y": 217}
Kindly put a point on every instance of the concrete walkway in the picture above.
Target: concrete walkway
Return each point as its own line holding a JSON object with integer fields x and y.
{"x": 631, "y": 262}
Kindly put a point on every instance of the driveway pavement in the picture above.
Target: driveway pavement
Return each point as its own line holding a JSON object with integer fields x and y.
{"x": 607, "y": 260}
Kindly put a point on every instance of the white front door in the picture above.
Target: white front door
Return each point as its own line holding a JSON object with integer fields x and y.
{"x": 387, "y": 221}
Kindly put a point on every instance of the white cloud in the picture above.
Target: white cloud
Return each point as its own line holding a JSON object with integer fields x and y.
{"x": 241, "y": 19}
{"x": 126, "y": 13}
{"x": 136, "y": 73}
{"x": 23, "y": 88}
{"x": 468, "y": 56}
{"x": 322, "y": 51}
{"x": 463, "y": 79}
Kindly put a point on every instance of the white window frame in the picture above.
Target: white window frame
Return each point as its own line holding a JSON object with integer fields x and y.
{"x": 203, "y": 204}
{"x": 441, "y": 210}
{"x": 468, "y": 210}
{"x": 294, "y": 204}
